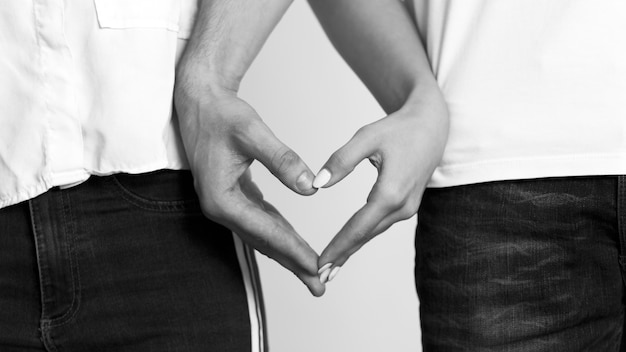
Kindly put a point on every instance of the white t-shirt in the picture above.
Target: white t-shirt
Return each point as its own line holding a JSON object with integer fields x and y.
{"x": 535, "y": 88}
{"x": 86, "y": 88}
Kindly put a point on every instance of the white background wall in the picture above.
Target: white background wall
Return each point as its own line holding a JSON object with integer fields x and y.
{"x": 314, "y": 103}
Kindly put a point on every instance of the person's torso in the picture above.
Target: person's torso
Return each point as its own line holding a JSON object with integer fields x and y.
{"x": 534, "y": 88}
{"x": 87, "y": 89}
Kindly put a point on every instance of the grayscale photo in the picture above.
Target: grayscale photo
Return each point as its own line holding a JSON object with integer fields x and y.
{"x": 312, "y": 176}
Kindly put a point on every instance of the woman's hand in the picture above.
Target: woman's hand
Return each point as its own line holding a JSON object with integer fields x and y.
{"x": 405, "y": 147}
{"x": 380, "y": 41}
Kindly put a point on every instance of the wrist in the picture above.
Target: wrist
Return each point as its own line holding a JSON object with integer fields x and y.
{"x": 426, "y": 95}
{"x": 202, "y": 78}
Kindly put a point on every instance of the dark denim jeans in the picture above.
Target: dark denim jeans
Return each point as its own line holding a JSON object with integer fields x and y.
{"x": 120, "y": 263}
{"x": 533, "y": 265}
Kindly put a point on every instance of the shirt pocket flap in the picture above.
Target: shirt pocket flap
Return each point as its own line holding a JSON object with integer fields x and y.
{"x": 120, "y": 14}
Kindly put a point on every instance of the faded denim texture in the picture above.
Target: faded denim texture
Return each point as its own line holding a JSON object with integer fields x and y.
{"x": 119, "y": 263}
{"x": 530, "y": 265}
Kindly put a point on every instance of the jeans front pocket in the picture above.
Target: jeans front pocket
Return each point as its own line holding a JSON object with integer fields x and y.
{"x": 162, "y": 190}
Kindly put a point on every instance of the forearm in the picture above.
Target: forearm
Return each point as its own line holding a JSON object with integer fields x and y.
{"x": 226, "y": 38}
{"x": 223, "y": 135}
{"x": 378, "y": 39}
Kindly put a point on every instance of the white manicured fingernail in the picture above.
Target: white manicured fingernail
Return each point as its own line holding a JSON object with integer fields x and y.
{"x": 324, "y": 276}
{"x": 322, "y": 269}
{"x": 333, "y": 273}
{"x": 322, "y": 178}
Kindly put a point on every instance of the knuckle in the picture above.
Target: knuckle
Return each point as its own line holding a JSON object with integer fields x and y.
{"x": 415, "y": 201}
{"x": 364, "y": 131}
{"x": 241, "y": 130}
{"x": 393, "y": 198}
{"x": 406, "y": 212}
{"x": 213, "y": 207}
{"x": 284, "y": 159}
{"x": 210, "y": 210}
{"x": 338, "y": 161}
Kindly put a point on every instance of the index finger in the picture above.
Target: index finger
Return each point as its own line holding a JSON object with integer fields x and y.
{"x": 265, "y": 229}
{"x": 354, "y": 234}
{"x": 261, "y": 144}
{"x": 383, "y": 208}
{"x": 359, "y": 229}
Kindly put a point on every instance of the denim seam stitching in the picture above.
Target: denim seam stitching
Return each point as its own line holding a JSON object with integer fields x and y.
{"x": 621, "y": 213}
{"x": 152, "y": 202}
{"x": 151, "y": 205}
{"x": 74, "y": 308}
{"x": 45, "y": 336}
{"x": 33, "y": 215}
{"x": 44, "y": 323}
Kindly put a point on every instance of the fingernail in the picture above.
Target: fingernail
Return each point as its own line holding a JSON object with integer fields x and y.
{"x": 324, "y": 276}
{"x": 322, "y": 269}
{"x": 322, "y": 178}
{"x": 304, "y": 182}
{"x": 333, "y": 273}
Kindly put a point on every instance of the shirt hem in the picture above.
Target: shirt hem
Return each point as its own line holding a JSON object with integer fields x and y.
{"x": 68, "y": 177}
{"x": 528, "y": 168}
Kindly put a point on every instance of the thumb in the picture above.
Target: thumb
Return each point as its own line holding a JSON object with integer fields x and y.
{"x": 281, "y": 161}
{"x": 345, "y": 159}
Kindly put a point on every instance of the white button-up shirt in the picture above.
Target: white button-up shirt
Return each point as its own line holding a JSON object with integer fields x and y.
{"x": 86, "y": 89}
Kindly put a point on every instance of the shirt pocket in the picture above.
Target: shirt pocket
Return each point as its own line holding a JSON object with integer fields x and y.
{"x": 137, "y": 14}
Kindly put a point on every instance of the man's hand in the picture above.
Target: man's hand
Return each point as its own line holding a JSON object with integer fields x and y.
{"x": 405, "y": 147}
{"x": 223, "y": 135}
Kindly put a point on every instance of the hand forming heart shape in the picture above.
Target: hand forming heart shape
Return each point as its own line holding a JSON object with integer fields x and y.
{"x": 405, "y": 147}
{"x": 223, "y": 135}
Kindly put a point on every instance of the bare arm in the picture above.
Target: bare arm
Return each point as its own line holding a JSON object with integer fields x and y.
{"x": 226, "y": 38}
{"x": 223, "y": 135}
{"x": 379, "y": 41}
